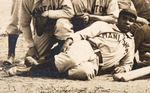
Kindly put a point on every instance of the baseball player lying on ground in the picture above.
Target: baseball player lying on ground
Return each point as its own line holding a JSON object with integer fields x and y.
{"x": 79, "y": 61}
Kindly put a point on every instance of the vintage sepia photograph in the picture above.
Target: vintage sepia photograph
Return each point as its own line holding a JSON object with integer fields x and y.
{"x": 74, "y": 46}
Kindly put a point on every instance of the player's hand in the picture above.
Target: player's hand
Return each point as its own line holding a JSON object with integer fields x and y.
{"x": 33, "y": 52}
{"x": 66, "y": 45}
{"x": 135, "y": 27}
{"x": 45, "y": 14}
{"x": 119, "y": 69}
{"x": 86, "y": 17}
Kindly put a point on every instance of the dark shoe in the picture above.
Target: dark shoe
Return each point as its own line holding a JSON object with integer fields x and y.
{"x": 17, "y": 70}
{"x": 9, "y": 62}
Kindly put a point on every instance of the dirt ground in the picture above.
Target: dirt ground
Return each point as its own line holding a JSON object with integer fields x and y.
{"x": 20, "y": 84}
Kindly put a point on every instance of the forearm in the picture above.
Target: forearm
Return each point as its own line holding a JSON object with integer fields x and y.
{"x": 56, "y": 14}
{"x": 142, "y": 20}
{"x": 91, "y": 31}
{"x": 28, "y": 35}
{"x": 109, "y": 18}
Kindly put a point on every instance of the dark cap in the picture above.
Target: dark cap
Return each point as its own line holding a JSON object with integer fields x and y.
{"x": 128, "y": 12}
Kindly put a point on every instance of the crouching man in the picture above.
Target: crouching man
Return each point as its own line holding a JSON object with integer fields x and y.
{"x": 80, "y": 59}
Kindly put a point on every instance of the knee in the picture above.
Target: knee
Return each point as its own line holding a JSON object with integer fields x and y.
{"x": 63, "y": 28}
{"x": 82, "y": 73}
{"x": 64, "y": 62}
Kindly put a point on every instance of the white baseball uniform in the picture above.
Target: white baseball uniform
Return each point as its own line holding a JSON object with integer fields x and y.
{"x": 80, "y": 60}
{"x": 125, "y": 4}
{"x": 12, "y": 27}
{"x": 117, "y": 48}
{"x": 100, "y": 7}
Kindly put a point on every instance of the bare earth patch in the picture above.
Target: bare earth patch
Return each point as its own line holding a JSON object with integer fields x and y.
{"x": 20, "y": 84}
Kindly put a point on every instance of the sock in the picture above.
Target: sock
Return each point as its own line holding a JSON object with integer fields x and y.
{"x": 12, "y": 39}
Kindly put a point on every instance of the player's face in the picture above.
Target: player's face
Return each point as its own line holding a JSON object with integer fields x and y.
{"x": 125, "y": 22}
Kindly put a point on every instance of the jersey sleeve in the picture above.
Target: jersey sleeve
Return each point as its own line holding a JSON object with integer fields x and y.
{"x": 113, "y": 8}
{"x": 91, "y": 31}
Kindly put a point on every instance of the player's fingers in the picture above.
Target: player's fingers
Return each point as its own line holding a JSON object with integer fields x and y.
{"x": 45, "y": 14}
{"x": 86, "y": 18}
{"x": 64, "y": 49}
{"x": 120, "y": 70}
{"x": 117, "y": 69}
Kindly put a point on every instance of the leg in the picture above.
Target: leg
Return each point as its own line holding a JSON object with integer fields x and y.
{"x": 64, "y": 62}
{"x": 12, "y": 40}
{"x": 78, "y": 58}
{"x": 83, "y": 71}
{"x": 12, "y": 27}
{"x": 13, "y": 32}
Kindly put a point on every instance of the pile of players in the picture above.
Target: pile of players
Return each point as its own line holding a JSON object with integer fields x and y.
{"x": 80, "y": 39}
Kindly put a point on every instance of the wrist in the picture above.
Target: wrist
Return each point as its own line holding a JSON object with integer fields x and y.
{"x": 69, "y": 40}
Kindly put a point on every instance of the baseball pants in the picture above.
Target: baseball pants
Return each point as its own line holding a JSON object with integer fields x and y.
{"x": 12, "y": 27}
{"x": 79, "y": 61}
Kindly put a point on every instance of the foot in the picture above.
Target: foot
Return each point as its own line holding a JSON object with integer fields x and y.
{"x": 17, "y": 70}
{"x": 30, "y": 61}
{"x": 9, "y": 61}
